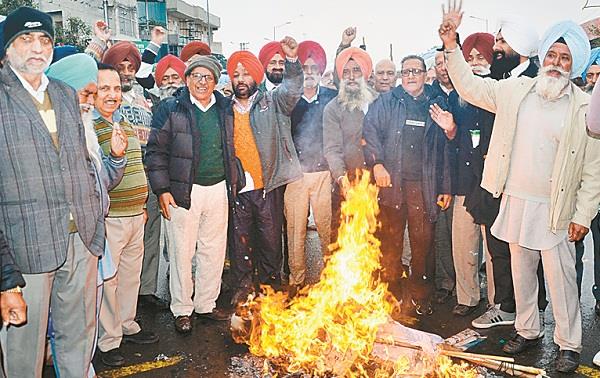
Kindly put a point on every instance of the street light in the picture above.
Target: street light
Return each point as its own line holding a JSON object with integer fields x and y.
{"x": 278, "y": 26}
{"x": 482, "y": 19}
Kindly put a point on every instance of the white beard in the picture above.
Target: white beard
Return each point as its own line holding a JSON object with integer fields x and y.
{"x": 548, "y": 87}
{"x": 481, "y": 70}
{"x": 355, "y": 99}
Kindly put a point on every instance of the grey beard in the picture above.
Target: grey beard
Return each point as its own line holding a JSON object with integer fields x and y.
{"x": 549, "y": 87}
{"x": 168, "y": 91}
{"x": 355, "y": 99}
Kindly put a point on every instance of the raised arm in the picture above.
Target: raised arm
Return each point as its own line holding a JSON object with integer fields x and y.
{"x": 289, "y": 92}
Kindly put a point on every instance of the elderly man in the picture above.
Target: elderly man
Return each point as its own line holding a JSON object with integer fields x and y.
{"x": 591, "y": 73}
{"x": 313, "y": 190}
{"x": 471, "y": 122}
{"x": 193, "y": 192}
{"x": 125, "y": 228}
{"x": 51, "y": 211}
{"x": 516, "y": 43}
{"x": 169, "y": 75}
{"x": 343, "y": 123}
{"x": 264, "y": 145}
{"x": 442, "y": 83}
{"x": 549, "y": 203}
{"x": 405, "y": 146}
{"x": 385, "y": 76}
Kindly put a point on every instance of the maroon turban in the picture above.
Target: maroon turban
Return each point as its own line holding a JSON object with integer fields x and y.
{"x": 483, "y": 42}
{"x": 360, "y": 56}
{"x": 250, "y": 63}
{"x": 169, "y": 61}
{"x": 311, "y": 49}
{"x": 193, "y": 48}
{"x": 123, "y": 51}
{"x": 268, "y": 51}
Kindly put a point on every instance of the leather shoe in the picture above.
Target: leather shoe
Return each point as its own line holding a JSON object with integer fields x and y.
{"x": 183, "y": 324}
{"x": 519, "y": 344}
{"x": 463, "y": 310}
{"x": 216, "y": 314}
{"x": 442, "y": 296}
{"x": 112, "y": 357}
{"x": 567, "y": 361}
{"x": 142, "y": 337}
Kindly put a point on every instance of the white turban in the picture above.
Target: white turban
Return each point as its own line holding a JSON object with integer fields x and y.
{"x": 576, "y": 40}
{"x": 520, "y": 36}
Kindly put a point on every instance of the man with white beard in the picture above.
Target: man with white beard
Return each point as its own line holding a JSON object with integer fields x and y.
{"x": 314, "y": 188}
{"x": 343, "y": 123}
{"x": 549, "y": 202}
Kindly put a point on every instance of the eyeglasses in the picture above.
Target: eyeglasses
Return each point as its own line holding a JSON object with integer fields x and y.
{"x": 414, "y": 71}
{"x": 198, "y": 77}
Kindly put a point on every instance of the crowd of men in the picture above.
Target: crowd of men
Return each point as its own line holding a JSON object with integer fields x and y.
{"x": 495, "y": 159}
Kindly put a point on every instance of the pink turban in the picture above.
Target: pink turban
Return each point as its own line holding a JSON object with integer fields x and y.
{"x": 123, "y": 51}
{"x": 250, "y": 63}
{"x": 169, "y": 61}
{"x": 268, "y": 51}
{"x": 311, "y": 49}
{"x": 360, "y": 56}
{"x": 483, "y": 42}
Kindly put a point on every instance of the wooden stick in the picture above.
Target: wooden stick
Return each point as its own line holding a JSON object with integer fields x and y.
{"x": 451, "y": 353}
{"x": 498, "y": 366}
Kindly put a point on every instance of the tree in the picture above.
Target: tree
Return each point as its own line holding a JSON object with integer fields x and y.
{"x": 7, "y": 6}
{"x": 73, "y": 32}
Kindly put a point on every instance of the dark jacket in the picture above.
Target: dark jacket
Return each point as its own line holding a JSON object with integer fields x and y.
{"x": 437, "y": 90}
{"x": 172, "y": 155}
{"x": 464, "y": 154}
{"x": 271, "y": 126}
{"x": 10, "y": 274}
{"x": 41, "y": 185}
{"x": 382, "y": 132}
{"x": 307, "y": 131}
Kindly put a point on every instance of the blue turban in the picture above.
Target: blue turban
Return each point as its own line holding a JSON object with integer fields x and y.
{"x": 576, "y": 40}
{"x": 63, "y": 52}
{"x": 77, "y": 70}
{"x": 594, "y": 59}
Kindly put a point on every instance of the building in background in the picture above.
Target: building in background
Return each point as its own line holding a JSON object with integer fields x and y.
{"x": 187, "y": 23}
{"x": 122, "y": 14}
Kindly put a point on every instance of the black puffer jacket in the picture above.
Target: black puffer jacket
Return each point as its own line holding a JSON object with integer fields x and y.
{"x": 172, "y": 154}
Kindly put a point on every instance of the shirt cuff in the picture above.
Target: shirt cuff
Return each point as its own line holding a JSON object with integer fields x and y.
{"x": 153, "y": 47}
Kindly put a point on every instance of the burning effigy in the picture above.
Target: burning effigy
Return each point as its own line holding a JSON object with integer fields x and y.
{"x": 342, "y": 325}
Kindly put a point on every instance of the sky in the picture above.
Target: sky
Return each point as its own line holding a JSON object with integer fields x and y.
{"x": 409, "y": 26}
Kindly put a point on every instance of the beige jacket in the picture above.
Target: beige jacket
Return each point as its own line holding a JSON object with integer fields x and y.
{"x": 575, "y": 183}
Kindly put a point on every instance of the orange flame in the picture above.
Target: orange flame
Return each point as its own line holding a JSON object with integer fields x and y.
{"x": 331, "y": 327}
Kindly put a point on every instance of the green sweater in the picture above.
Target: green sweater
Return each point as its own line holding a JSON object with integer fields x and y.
{"x": 211, "y": 169}
{"x": 129, "y": 197}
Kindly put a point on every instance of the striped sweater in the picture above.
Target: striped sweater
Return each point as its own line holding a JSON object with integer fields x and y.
{"x": 129, "y": 197}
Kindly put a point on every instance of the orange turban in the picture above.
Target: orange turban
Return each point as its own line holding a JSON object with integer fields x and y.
{"x": 483, "y": 42}
{"x": 360, "y": 56}
{"x": 250, "y": 63}
{"x": 169, "y": 61}
{"x": 193, "y": 48}
{"x": 268, "y": 51}
{"x": 311, "y": 49}
{"x": 123, "y": 51}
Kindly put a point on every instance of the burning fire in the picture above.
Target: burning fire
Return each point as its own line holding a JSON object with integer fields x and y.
{"x": 331, "y": 327}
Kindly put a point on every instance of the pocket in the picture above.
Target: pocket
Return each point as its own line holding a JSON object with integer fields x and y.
{"x": 241, "y": 176}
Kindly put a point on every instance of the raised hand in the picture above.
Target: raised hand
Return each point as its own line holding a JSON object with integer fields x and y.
{"x": 443, "y": 118}
{"x": 452, "y": 17}
{"x": 158, "y": 35}
{"x": 289, "y": 47}
{"x": 102, "y": 31}
{"x": 348, "y": 35}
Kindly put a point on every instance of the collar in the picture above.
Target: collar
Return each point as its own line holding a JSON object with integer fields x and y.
{"x": 270, "y": 86}
{"x": 241, "y": 108}
{"x": 518, "y": 70}
{"x": 445, "y": 90}
{"x": 314, "y": 98}
{"x": 38, "y": 94}
{"x": 204, "y": 109}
